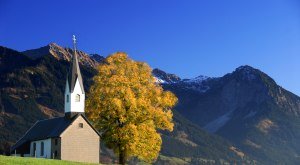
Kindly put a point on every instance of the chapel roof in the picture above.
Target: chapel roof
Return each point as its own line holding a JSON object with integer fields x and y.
{"x": 48, "y": 128}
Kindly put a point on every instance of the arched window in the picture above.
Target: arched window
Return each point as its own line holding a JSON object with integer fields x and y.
{"x": 34, "y": 150}
{"x": 77, "y": 98}
{"x": 42, "y": 149}
{"x": 67, "y": 98}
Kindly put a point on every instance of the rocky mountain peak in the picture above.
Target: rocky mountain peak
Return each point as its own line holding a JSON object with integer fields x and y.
{"x": 163, "y": 77}
{"x": 245, "y": 67}
{"x": 250, "y": 76}
{"x": 97, "y": 57}
{"x": 247, "y": 73}
{"x": 54, "y": 45}
{"x": 61, "y": 53}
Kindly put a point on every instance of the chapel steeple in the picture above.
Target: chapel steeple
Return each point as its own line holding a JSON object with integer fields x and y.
{"x": 74, "y": 92}
{"x": 74, "y": 71}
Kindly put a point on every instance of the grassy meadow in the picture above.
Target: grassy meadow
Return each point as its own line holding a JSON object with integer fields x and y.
{"x": 11, "y": 160}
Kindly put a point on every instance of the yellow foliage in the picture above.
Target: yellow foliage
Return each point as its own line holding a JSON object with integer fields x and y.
{"x": 128, "y": 107}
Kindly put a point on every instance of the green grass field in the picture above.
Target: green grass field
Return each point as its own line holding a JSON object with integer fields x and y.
{"x": 11, "y": 160}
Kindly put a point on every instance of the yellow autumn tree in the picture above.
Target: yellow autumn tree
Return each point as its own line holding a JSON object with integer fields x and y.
{"x": 129, "y": 107}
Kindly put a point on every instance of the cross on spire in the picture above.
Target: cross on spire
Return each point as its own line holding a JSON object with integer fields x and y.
{"x": 74, "y": 42}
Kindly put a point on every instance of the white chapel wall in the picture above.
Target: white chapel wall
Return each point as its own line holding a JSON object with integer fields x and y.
{"x": 47, "y": 148}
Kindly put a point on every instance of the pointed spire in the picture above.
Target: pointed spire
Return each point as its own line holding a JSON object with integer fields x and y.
{"x": 74, "y": 71}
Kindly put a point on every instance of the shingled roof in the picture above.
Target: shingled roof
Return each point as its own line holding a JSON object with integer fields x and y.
{"x": 48, "y": 128}
{"x": 74, "y": 74}
{"x": 44, "y": 129}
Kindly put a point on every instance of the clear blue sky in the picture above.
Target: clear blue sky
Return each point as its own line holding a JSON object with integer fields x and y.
{"x": 188, "y": 38}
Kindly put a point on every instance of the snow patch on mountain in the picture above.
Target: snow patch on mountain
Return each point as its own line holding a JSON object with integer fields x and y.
{"x": 198, "y": 79}
{"x": 160, "y": 81}
{"x": 198, "y": 84}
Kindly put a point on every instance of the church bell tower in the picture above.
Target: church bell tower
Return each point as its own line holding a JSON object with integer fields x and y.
{"x": 74, "y": 92}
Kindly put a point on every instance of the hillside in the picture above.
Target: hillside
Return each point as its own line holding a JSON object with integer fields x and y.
{"x": 247, "y": 108}
{"x": 33, "y": 90}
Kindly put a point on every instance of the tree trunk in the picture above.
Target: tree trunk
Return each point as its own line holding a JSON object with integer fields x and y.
{"x": 122, "y": 156}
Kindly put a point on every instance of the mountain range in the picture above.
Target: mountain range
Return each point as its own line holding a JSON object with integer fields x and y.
{"x": 247, "y": 108}
{"x": 242, "y": 117}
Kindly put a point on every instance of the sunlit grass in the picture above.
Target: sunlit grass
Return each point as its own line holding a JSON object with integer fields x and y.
{"x": 11, "y": 160}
